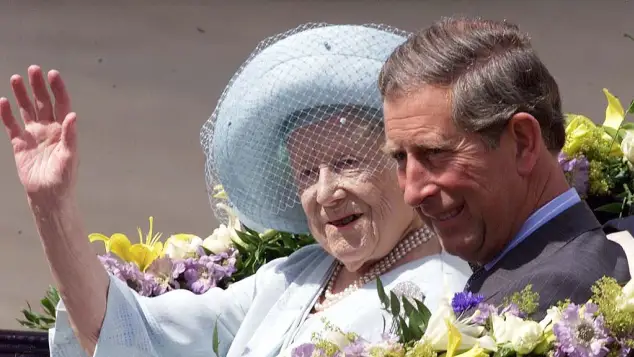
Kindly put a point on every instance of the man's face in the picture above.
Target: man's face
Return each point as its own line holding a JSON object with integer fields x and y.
{"x": 462, "y": 189}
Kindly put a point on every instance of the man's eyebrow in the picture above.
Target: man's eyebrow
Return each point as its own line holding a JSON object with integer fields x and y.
{"x": 389, "y": 147}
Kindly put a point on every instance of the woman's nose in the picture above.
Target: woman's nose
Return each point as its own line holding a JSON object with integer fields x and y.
{"x": 329, "y": 191}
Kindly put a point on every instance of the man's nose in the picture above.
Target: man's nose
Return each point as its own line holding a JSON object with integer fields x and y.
{"x": 328, "y": 188}
{"x": 417, "y": 183}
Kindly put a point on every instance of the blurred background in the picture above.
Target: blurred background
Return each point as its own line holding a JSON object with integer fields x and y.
{"x": 144, "y": 78}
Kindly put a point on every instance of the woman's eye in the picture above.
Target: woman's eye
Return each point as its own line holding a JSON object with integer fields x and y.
{"x": 346, "y": 163}
{"x": 308, "y": 173}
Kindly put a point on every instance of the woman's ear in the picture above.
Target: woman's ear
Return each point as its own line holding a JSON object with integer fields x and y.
{"x": 526, "y": 135}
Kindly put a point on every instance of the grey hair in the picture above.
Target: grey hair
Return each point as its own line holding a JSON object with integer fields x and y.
{"x": 490, "y": 67}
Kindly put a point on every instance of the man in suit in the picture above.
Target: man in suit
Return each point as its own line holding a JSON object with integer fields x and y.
{"x": 473, "y": 119}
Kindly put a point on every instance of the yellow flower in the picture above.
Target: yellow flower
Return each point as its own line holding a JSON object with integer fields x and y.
{"x": 614, "y": 113}
{"x": 475, "y": 351}
{"x": 142, "y": 253}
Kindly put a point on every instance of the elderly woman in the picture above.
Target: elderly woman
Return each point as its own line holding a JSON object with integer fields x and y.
{"x": 296, "y": 142}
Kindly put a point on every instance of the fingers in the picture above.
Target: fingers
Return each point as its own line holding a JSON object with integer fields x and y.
{"x": 10, "y": 124}
{"x": 69, "y": 131}
{"x": 62, "y": 99}
{"x": 22, "y": 96}
{"x": 43, "y": 106}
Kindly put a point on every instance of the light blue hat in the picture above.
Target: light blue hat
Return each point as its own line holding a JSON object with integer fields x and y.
{"x": 310, "y": 67}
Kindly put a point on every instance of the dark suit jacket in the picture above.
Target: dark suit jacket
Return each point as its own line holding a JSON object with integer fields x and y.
{"x": 562, "y": 259}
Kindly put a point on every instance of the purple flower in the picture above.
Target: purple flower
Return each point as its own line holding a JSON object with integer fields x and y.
{"x": 303, "y": 350}
{"x": 166, "y": 272}
{"x": 355, "y": 349}
{"x": 512, "y": 309}
{"x": 580, "y": 334}
{"x": 142, "y": 283}
{"x": 205, "y": 272}
{"x": 464, "y": 301}
{"x": 483, "y": 312}
{"x": 577, "y": 170}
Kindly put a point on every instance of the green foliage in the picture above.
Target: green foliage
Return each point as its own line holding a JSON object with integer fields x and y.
{"x": 526, "y": 300}
{"x": 409, "y": 322}
{"x": 421, "y": 349}
{"x": 45, "y": 321}
{"x": 605, "y": 293}
{"x": 259, "y": 249}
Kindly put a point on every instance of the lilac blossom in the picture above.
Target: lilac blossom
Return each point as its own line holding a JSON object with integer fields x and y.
{"x": 577, "y": 169}
{"x": 512, "y": 309}
{"x": 141, "y": 282}
{"x": 205, "y": 272}
{"x": 483, "y": 312}
{"x": 303, "y": 350}
{"x": 580, "y": 334}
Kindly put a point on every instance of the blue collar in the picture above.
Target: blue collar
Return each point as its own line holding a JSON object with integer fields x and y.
{"x": 538, "y": 219}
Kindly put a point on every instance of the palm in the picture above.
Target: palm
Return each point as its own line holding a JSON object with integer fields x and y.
{"x": 45, "y": 152}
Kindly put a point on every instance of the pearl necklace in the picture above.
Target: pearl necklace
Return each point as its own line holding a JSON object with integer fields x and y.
{"x": 406, "y": 245}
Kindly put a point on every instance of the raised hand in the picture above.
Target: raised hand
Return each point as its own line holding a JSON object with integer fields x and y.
{"x": 45, "y": 149}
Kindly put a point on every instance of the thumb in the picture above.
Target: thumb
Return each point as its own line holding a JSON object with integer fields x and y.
{"x": 69, "y": 131}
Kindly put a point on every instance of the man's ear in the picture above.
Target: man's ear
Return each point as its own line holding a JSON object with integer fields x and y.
{"x": 525, "y": 132}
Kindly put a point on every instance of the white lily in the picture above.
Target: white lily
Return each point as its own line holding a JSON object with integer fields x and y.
{"x": 437, "y": 332}
{"x": 522, "y": 335}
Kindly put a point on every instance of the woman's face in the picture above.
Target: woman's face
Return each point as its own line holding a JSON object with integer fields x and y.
{"x": 348, "y": 190}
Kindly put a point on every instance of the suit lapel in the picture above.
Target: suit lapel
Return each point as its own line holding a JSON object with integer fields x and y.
{"x": 542, "y": 243}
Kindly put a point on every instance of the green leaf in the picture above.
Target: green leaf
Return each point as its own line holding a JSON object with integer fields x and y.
{"x": 424, "y": 311}
{"x": 416, "y": 320}
{"x": 614, "y": 207}
{"x": 30, "y": 316}
{"x": 408, "y": 308}
{"x": 395, "y": 304}
{"x": 48, "y": 305}
{"x": 216, "y": 340}
{"x": 406, "y": 336}
{"x": 385, "y": 301}
{"x": 504, "y": 352}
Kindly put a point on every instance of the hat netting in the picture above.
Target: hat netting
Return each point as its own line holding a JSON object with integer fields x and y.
{"x": 299, "y": 79}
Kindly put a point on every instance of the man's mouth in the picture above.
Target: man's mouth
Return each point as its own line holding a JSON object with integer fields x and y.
{"x": 449, "y": 214}
{"x": 345, "y": 220}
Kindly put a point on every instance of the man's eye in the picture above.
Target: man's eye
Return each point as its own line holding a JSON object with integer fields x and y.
{"x": 399, "y": 156}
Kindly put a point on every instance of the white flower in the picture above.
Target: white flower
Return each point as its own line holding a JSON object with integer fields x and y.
{"x": 553, "y": 315}
{"x": 437, "y": 332}
{"x": 221, "y": 240}
{"x": 627, "y": 146}
{"x": 180, "y": 246}
{"x": 625, "y": 302}
{"x": 522, "y": 335}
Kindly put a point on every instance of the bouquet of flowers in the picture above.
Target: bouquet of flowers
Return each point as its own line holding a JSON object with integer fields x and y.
{"x": 152, "y": 267}
{"x": 465, "y": 326}
{"x": 597, "y": 160}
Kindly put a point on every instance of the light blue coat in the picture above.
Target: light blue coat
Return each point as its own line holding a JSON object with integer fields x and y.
{"x": 258, "y": 316}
